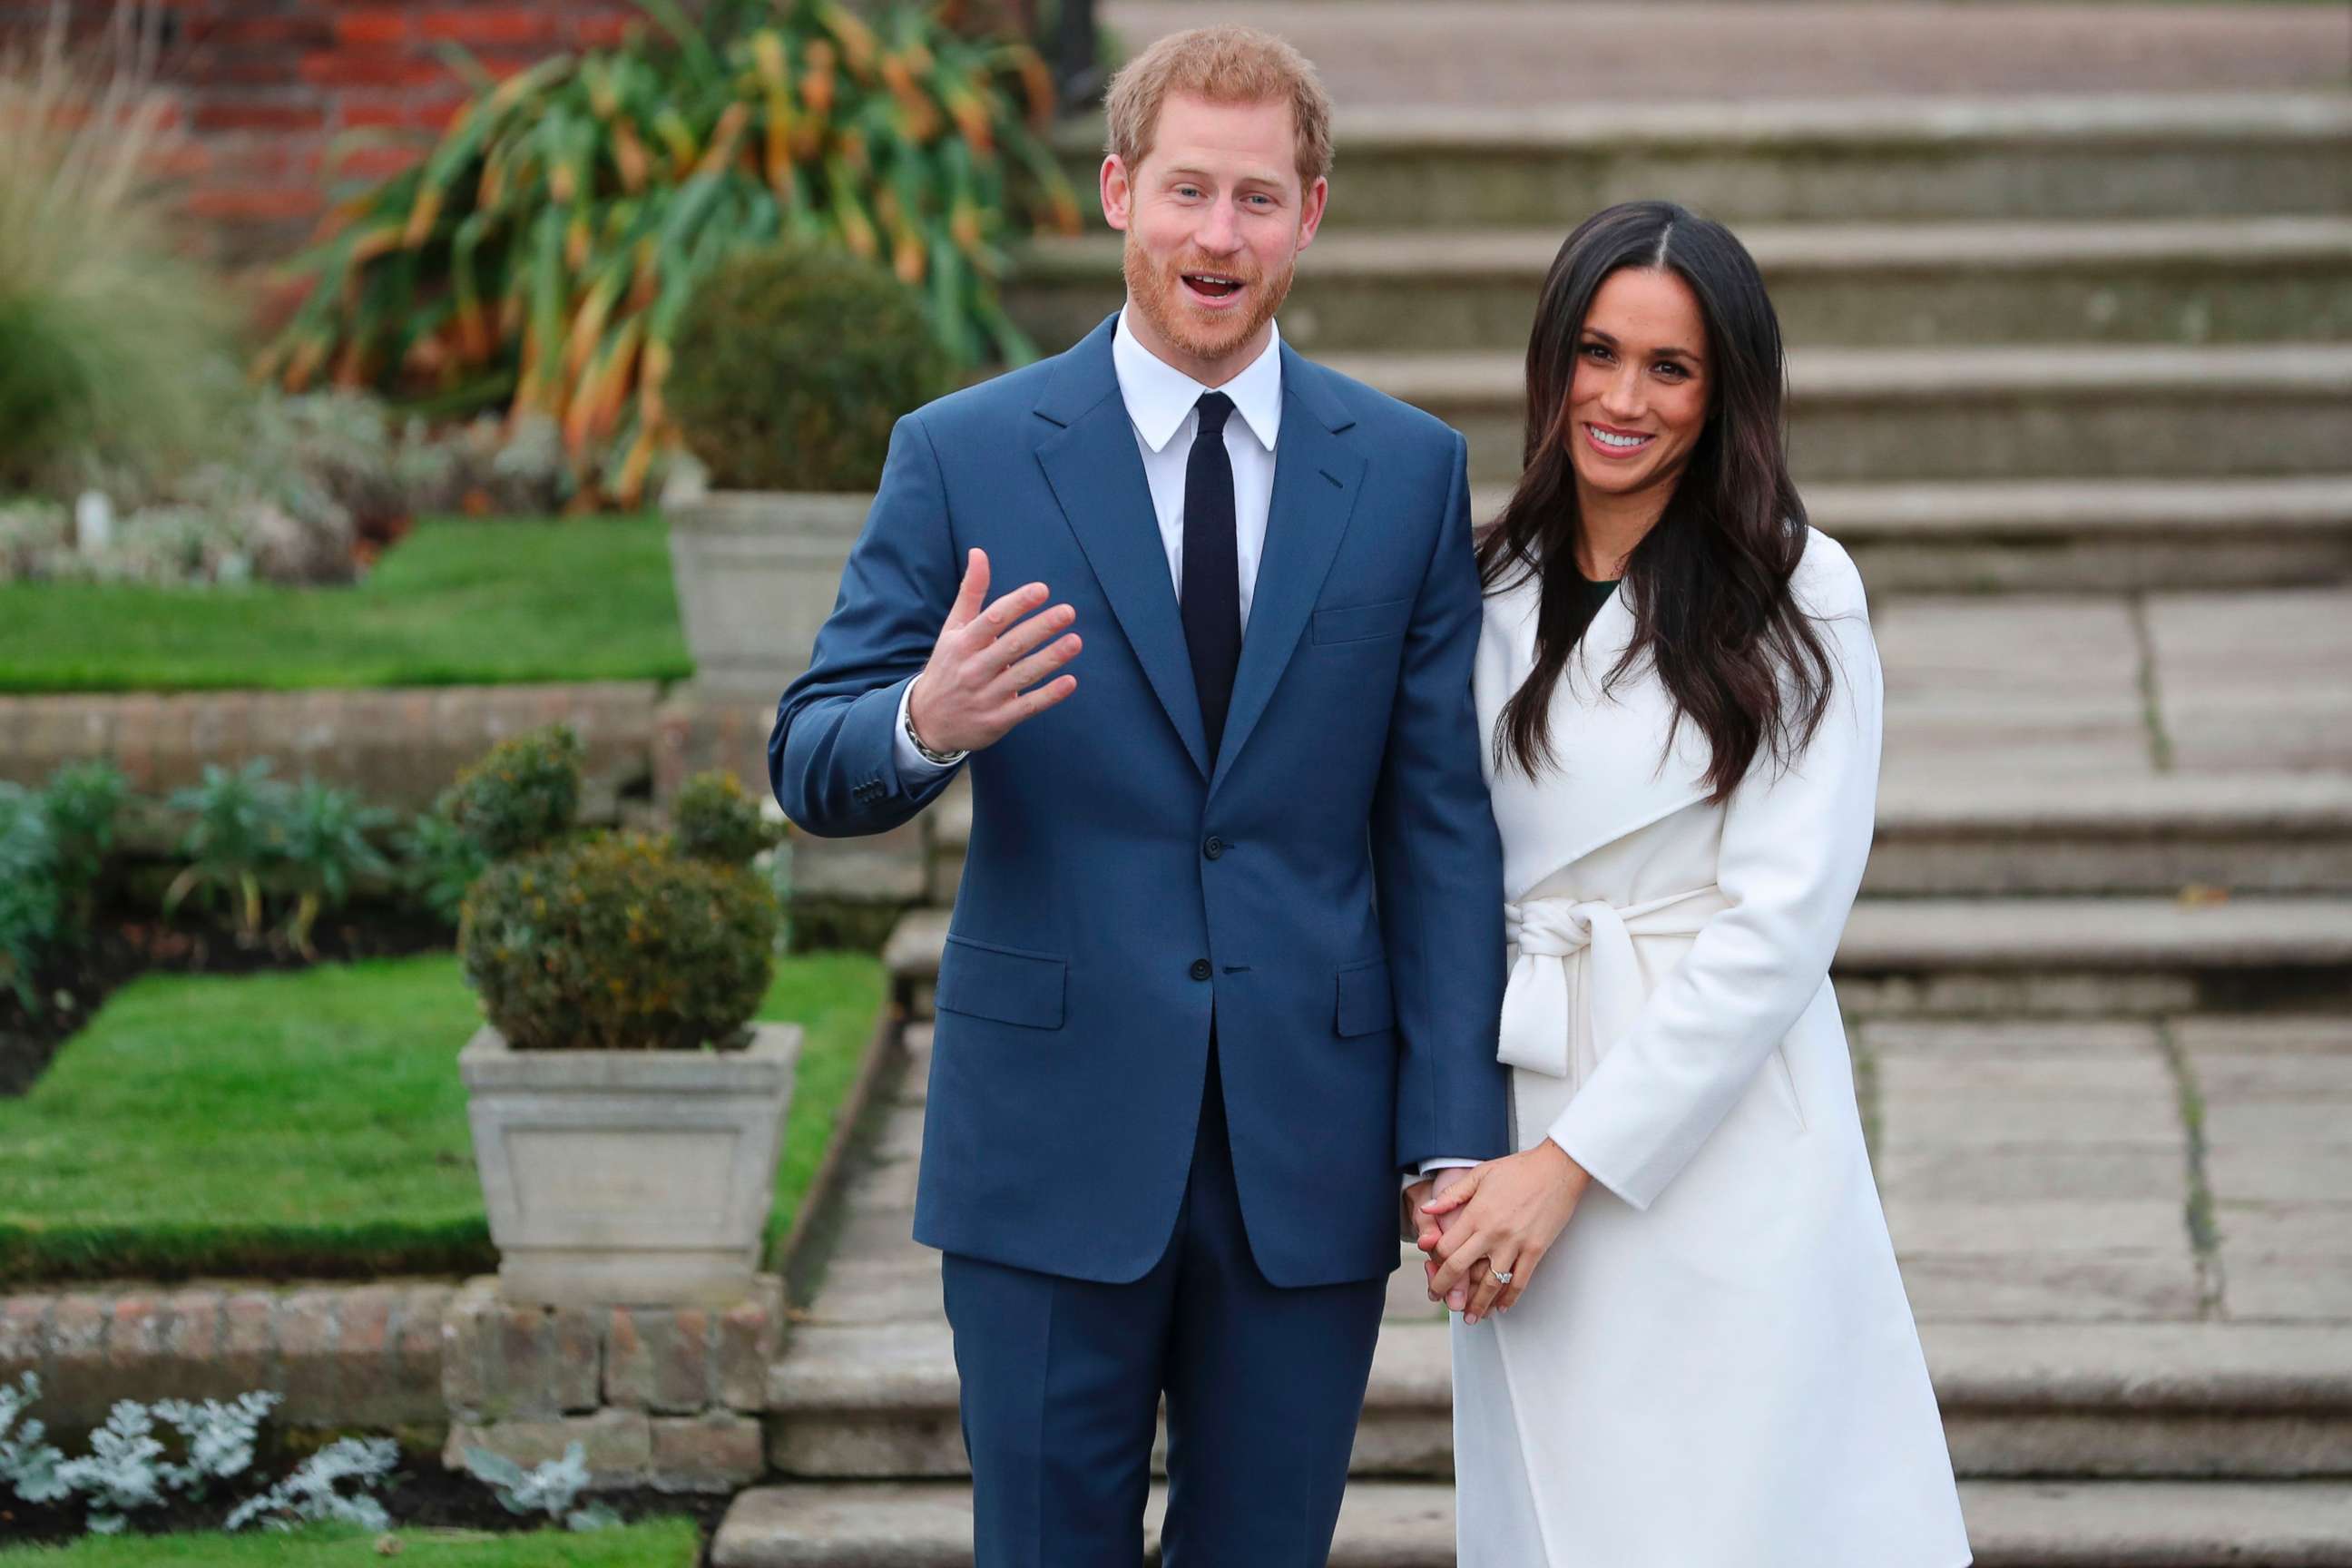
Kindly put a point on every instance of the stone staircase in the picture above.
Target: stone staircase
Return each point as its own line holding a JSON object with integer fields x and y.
{"x": 2073, "y": 379}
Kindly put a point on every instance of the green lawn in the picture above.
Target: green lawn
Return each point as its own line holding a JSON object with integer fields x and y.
{"x": 460, "y": 601}
{"x": 653, "y": 1543}
{"x": 313, "y": 1123}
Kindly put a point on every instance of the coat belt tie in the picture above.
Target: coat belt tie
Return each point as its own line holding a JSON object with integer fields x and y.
{"x": 1576, "y": 986}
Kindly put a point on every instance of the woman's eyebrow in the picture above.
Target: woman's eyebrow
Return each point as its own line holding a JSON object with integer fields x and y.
{"x": 1669, "y": 351}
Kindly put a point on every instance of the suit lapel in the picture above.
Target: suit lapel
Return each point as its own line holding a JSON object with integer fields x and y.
{"x": 1097, "y": 474}
{"x": 1317, "y": 477}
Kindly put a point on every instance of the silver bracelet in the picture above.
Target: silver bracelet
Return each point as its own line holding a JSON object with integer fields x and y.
{"x": 937, "y": 759}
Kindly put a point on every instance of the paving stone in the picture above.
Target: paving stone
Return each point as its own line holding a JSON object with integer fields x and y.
{"x": 896, "y": 1296}
{"x": 2312, "y": 1124}
{"x": 2317, "y": 1228}
{"x": 2138, "y": 1079}
{"x": 866, "y": 1230}
{"x": 1410, "y": 1524}
{"x": 2227, "y": 1079}
{"x": 1977, "y": 1040}
{"x": 915, "y": 1083}
{"x": 2052, "y": 1287}
{"x": 2277, "y": 1173}
{"x": 889, "y": 1184}
{"x": 1493, "y": 53}
{"x": 2265, "y": 1034}
{"x": 1925, "y": 1118}
{"x": 2292, "y": 1290}
{"x": 2067, "y": 994}
{"x": 1928, "y": 1225}
{"x": 902, "y": 1135}
{"x": 2252, "y": 681}
{"x": 2021, "y": 1174}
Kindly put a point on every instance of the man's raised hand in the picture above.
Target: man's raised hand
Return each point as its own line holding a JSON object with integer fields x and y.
{"x": 985, "y": 669}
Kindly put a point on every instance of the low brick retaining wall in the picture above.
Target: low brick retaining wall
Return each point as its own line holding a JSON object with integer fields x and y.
{"x": 658, "y": 1397}
{"x": 339, "y": 1355}
{"x": 399, "y": 747}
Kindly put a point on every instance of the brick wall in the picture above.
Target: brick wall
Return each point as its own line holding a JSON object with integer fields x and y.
{"x": 264, "y": 86}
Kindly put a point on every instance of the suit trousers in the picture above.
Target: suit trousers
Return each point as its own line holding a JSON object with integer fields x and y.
{"x": 1063, "y": 1380}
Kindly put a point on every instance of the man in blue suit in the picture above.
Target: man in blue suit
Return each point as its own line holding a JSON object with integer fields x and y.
{"x": 1227, "y": 960}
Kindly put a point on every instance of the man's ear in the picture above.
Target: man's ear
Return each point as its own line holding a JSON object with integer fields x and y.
{"x": 1310, "y": 210}
{"x": 1117, "y": 193}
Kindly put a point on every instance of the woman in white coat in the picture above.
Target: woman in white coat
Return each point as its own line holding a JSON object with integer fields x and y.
{"x": 1685, "y": 1343}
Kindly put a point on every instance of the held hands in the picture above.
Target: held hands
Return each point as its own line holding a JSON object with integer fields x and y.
{"x": 1507, "y": 1214}
{"x": 1424, "y": 1232}
{"x": 984, "y": 670}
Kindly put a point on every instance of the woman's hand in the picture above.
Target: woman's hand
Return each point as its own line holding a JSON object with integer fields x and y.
{"x": 1512, "y": 1210}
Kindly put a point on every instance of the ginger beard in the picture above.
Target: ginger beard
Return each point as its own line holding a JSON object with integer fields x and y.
{"x": 1161, "y": 293}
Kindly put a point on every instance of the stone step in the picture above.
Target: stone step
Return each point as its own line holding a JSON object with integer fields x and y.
{"x": 1832, "y": 159}
{"x": 878, "y": 1401}
{"x": 2072, "y": 412}
{"x": 2008, "y": 956}
{"x": 2263, "y": 280}
{"x": 1492, "y": 53}
{"x": 2101, "y": 833}
{"x": 2116, "y": 535}
{"x": 1405, "y": 1524}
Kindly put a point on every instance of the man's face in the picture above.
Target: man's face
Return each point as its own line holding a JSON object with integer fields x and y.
{"x": 1215, "y": 216}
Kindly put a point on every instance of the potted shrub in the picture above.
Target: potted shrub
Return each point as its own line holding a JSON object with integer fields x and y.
{"x": 792, "y": 364}
{"x": 626, "y": 1115}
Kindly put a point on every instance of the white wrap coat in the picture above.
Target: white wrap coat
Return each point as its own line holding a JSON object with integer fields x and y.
{"x": 1715, "y": 1367}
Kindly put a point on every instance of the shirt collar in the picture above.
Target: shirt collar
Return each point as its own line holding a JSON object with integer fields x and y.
{"x": 1158, "y": 395}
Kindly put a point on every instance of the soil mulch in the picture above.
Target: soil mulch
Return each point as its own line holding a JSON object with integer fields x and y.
{"x": 127, "y": 947}
{"x": 421, "y": 1494}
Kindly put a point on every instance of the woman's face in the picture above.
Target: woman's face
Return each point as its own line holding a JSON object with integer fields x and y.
{"x": 1639, "y": 397}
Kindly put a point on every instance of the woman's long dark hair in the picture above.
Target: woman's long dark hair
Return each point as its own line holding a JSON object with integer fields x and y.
{"x": 1708, "y": 585}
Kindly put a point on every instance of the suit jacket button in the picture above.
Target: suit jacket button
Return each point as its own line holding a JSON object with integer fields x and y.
{"x": 1200, "y": 970}
{"x": 1214, "y": 847}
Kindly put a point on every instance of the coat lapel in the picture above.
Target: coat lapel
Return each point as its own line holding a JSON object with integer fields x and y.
{"x": 1614, "y": 772}
{"x": 1097, "y": 474}
{"x": 1317, "y": 477}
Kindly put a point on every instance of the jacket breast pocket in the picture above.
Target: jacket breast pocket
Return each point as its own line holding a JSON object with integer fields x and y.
{"x": 1365, "y": 1005}
{"x": 1363, "y": 623}
{"x": 1001, "y": 982}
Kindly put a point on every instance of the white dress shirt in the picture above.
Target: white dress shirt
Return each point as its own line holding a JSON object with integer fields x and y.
{"x": 1161, "y": 406}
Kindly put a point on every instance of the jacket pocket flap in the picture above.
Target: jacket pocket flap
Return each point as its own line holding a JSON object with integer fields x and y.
{"x": 1365, "y": 1006}
{"x": 997, "y": 982}
{"x": 1362, "y": 622}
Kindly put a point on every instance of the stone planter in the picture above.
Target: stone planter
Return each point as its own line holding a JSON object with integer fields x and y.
{"x": 629, "y": 1178}
{"x": 757, "y": 574}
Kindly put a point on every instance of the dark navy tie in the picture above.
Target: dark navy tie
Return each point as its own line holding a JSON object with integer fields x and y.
{"x": 1212, "y": 589}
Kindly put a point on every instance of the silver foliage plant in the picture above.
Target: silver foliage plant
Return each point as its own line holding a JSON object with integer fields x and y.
{"x": 126, "y": 1469}
{"x": 27, "y": 1464}
{"x": 550, "y": 1488}
{"x": 309, "y": 1492}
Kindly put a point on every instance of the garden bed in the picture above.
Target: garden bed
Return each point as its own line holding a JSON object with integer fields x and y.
{"x": 312, "y": 1124}
{"x": 459, "y": 601}
{"x": 662, "y": 1529}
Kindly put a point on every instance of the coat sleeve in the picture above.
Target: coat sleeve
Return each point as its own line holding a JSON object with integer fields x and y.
{"x": 1437, "y": 862}
{"x": 1794, "y": 842}
{"x": 832, "y": 757}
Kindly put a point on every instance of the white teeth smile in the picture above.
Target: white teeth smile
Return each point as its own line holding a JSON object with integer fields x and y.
{"x": 1622, "y": 442}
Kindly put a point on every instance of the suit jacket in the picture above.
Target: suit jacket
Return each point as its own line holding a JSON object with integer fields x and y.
{"x": 1327, "y": 889}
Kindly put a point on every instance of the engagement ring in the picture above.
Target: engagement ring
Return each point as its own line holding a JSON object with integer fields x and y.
{"x": 1502, "y": 1276}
